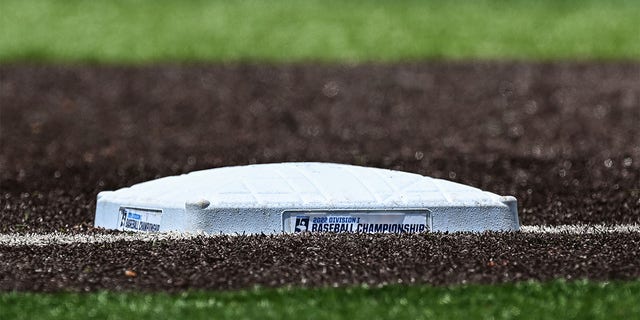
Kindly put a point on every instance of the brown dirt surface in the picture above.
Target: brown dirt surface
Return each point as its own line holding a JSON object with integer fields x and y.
{"x": 564, "y": 138}
{"x": 232, "y": 262}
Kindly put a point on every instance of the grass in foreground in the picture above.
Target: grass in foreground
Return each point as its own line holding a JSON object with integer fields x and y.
{"x": 141, "y": 31}
{"x": 530, "y": 300}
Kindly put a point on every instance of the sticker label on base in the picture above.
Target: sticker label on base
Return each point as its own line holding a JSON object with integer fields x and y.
{"x": 357, "y": 221}
{"x": 141, "y": 220}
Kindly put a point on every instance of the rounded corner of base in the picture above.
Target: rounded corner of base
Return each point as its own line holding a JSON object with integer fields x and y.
{"x": 508, "y": 199}
{"x": 101, "y": 194}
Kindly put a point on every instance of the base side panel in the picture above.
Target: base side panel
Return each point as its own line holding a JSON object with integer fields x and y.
{"x": 271, "y": 220}
{"x": 109, "y": 215}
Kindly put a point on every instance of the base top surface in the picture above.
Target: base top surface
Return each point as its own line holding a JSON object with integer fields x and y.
{"x": 301, "y": 184}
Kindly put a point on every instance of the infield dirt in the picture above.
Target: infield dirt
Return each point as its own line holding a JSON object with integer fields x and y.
{"x": 564, "y": 138}
{"x": 232, "y": 262}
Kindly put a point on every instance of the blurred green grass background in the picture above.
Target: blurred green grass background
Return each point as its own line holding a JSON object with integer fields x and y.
{"x": 527, "y": 300}
{"x": 154, "y": 31}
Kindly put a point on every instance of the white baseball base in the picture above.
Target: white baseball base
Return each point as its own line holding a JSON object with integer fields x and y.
{"x": 304, "y": 197}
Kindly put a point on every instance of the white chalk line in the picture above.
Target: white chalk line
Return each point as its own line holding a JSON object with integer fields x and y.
{"x": 43, "y": 239}
{"x": 582, "y": 229}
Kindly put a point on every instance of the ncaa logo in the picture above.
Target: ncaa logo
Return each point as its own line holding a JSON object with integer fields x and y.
{"x": 302, "y": 224}
{"x": 123, "y": 217}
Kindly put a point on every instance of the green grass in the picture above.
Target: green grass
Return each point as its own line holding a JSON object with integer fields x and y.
{"x": 143, "y": 31}
{"x": 529, "y": 300}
